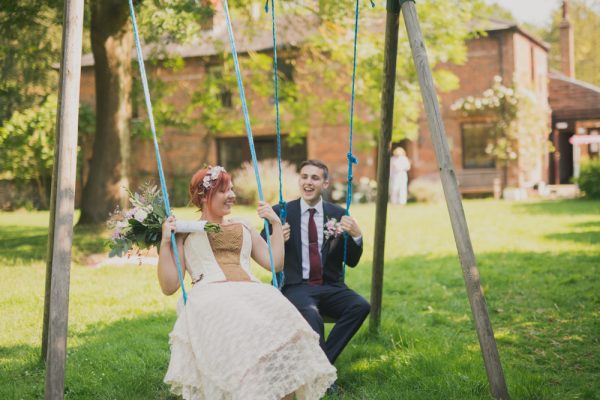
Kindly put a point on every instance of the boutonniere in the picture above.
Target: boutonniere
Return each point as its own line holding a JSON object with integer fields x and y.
{"x": 332, "y": 228}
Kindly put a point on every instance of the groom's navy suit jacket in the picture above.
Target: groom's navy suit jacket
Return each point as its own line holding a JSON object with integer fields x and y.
{"x": 332, "y": 250}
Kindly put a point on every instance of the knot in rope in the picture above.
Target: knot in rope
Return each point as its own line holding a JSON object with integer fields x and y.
{"x": 282, "y": 211}
{"x": 351, "y": 158}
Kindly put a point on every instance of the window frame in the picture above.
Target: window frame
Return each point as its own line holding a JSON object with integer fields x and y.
{"x": 465, "y": 165}
{"x": 300, "y": 150}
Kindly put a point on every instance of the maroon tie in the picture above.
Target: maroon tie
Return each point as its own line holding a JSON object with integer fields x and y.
{"x": 316, "y": 276}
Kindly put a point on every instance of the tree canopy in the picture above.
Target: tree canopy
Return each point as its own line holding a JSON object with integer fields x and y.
{"x": 323, "y": 59}
{"x": 30, "y": 46}
{"x": 325, "y": 53}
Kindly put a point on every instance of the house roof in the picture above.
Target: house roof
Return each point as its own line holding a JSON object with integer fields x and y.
{"x": 290, "y": 32}
{"x": 573, "y": 99}
{"x": 497, "y": 25}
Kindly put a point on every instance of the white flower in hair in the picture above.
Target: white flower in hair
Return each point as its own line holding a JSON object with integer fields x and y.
{"x": 212, "y": 175}
{"x": 215, "y": 171}
{"x": 206, "y": 182}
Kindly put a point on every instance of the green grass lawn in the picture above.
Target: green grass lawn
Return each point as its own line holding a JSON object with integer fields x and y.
{"x": 539, "y": 265}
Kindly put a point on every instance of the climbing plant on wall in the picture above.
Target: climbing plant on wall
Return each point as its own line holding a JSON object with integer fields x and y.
{"x": 519, "y": 124}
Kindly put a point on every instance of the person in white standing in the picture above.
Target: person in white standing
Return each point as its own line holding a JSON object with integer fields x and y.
{"x": 399, "y": 167}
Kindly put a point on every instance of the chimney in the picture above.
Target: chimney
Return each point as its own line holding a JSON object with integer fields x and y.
{"x": 567, "y": 46}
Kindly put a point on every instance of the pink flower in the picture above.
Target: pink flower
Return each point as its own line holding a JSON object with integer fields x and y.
{"x": 116, "y": 234}
{"x": 332, "y": 228}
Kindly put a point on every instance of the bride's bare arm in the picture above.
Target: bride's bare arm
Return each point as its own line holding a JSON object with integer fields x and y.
{"x": 260, "y": 249}
{"x": 168, "y": 277}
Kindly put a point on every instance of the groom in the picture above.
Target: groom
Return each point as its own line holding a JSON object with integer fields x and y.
{"x": 314, "y": 256}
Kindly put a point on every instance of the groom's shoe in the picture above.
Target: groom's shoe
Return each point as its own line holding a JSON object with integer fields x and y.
{"x": 334, "y": 390}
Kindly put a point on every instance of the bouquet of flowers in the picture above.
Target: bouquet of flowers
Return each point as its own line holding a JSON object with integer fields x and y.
{"x": 141, "y": 226}
{"x": 332, "y": 228}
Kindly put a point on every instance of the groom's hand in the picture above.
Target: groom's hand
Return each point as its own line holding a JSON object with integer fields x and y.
{"x": 350, "y": 225}
{"x": 286, "y": 231}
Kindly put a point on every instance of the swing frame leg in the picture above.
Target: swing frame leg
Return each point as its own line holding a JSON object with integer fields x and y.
{"x": 483, "y": 325}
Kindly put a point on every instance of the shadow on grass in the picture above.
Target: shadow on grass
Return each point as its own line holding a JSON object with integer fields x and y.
{"x": 591, "y": 237}
{"x": 23, "y": 245}
{"x": 543, "y": 308}
{"x": 28, "y": 244}
{"x": 570, "y": 207}
{"x": 22, "y": 373}
{"x": 588, "y": 224}
{"x": 585, "y": 232}
{"x": 123, "y": 360}
{"x": 542, "y": 311}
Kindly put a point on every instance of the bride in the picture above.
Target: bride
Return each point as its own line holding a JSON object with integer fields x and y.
{"x": 235, "y": 338}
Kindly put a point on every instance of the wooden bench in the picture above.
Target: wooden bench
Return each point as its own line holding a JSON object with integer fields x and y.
{"x": 477, "y": 181}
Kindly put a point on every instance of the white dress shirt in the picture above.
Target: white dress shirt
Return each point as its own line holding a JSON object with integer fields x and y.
{"x": 319, "y": 215}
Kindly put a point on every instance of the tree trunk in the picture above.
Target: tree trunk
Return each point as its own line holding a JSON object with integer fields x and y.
{"x": 112, "y": 41}
{"x": 41, "y": 188}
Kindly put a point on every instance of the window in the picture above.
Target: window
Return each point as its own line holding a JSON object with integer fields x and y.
{"x": 215, "y": 77}
{"x": 233, "y": 151}
{"x": 474, "y": 141}
{"x": 285, "y": 67}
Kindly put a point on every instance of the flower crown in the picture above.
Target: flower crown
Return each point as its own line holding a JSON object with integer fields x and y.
{"x": 211, "y": 176}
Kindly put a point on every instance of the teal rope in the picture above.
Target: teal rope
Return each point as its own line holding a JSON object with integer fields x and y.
{"x": 351, "y": 158}
{"x": 249, "y": 132}
{"x": 161, "y": 174}
{"x": 282, "y": 203}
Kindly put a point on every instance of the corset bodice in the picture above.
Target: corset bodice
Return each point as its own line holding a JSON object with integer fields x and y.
{"x": 220, "y": 256}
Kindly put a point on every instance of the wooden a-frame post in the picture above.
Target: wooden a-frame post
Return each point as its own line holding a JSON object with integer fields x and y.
{"x": 383, "y": 159}
{"x": 60, "y": 230}
{"x": 487, "y": 343}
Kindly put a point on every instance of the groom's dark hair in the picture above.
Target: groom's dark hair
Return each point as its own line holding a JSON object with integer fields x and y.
{"x": 318, "y": 164}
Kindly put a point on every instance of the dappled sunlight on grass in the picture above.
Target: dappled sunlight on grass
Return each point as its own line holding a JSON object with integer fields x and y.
{"x": 572, "y": 208}
{"x": 505, "y": 335}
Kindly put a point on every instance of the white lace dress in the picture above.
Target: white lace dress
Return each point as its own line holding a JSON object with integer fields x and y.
{"x": 237, "y": 338}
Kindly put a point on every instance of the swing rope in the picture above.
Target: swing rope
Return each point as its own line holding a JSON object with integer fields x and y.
{"x": 161, "y": 173}
{"x": 249, "y": 133}
{"x": 283, "y": 211}
{"x": 282, "y": 203}
{"x": 351, "y": 158}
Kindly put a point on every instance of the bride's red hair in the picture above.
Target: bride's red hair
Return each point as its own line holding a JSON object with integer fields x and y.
{"x": 198, "y": 191}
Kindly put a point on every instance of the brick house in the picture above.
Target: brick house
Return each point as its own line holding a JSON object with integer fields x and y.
{"x": 576, "y": 111}
{"x": 506, "y": 51}
{"x": 514, "y": 55}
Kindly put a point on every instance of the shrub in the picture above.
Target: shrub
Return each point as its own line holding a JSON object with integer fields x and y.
{"x": 17, "y": 194}
{"x": 426, "y": 189}
{"x": 244, "y": 182}
{"x": 338, "y": 192}
{"x": 365, "y": 191}
{"x": 589, "y": 179}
